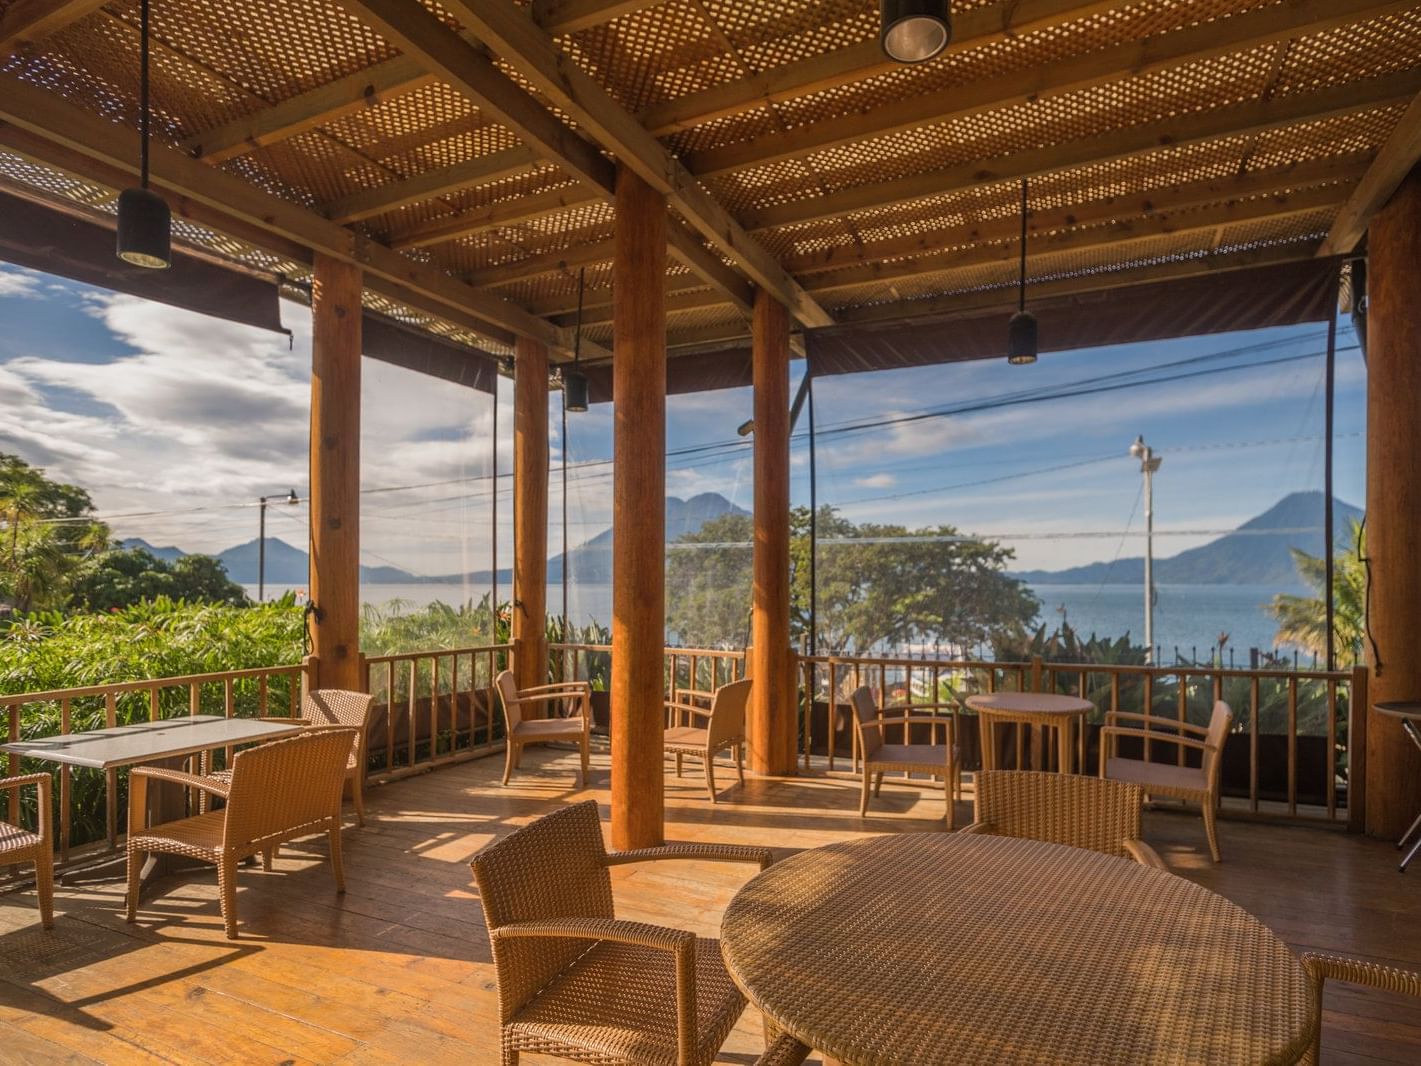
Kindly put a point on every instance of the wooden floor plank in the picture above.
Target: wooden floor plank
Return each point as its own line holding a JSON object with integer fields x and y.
{"x": 398, "y": 968}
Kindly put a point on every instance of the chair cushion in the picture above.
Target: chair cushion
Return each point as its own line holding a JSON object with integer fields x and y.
{"x": 13, "y": 839}
{"x": 619, "y": 1000}
{"x": 686, "y": 736}
{"x": 549, "y": 728}
{"x": 904, "y": 756}
{"x": 1158, "y": 777}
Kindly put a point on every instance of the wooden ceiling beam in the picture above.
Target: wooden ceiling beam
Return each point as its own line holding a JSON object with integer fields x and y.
{"x": 1252, "y": 117}
{"x": 1131, "y": 60}
{"x": 683, "y": 292}
{"x": 432, "y": 184}
{"x": 509, "y": 32}
{"x": 492, "y": 216}
{"x": 38, "y": 112}
{"x": 971, "y": 29}
{"x": 564, "y": 260}
{"x": 1267, "y": 182}
{"x": 686, "y": 248}
{"x": 572, "y": 16}
{"x": 308, "y": 110}
{"x": 1400, "y": 153}
{"x": 25, "y": 22}
{"x": 1102, "y": 283}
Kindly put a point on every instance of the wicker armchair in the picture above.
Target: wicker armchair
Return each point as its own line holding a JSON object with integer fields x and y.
{"x": 277, "y": 792}
{"x": 336, "y": 708}
{"x": 19, "y": 845}
{"x": 1196, "y": 784}
{"x": 519, "y": 732}
{"x": 879, "y": 757}
{"x": 576, "y": 982}
{"x": 1355, "y": 971}
{"x": 1083, "y": 812}
{"x": 724, "y": 728}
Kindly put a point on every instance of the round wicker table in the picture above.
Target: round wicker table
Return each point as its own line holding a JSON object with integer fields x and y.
{"x": 950, "y": 948}
{"x": 1032, "y": 709}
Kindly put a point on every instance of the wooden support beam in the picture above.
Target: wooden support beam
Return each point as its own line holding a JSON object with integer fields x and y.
{"x": 864, "y": 59}
{"x": 110, "y": 147}
{"x": 564, "y": 260}
{"x": 683, "y": 293}
{"x": 638, "y": 515}
{"x": 492, "y": 216}
{"x": 1393, "y": 783}
{"x": 1397, "y": 158}
{"x": 773, "y": 711}
{"x": 24, "y": 22}
{"x": 512, "y": 34}
{"x": 335, "y": 473}
{"x": 308, "y": 110}
{"x": 686, "y": 248}
{"x": 1131, "y": 60}
{"x": 1252, "y": 117}
{"x": 432, "y": 184}
{"x": 530, "y": 513}
{"x": 573, "y": 16}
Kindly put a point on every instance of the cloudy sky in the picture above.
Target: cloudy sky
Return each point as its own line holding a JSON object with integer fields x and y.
{"x": 176, "y": 424}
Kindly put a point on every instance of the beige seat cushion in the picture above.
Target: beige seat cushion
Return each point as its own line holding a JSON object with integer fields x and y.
{"x": 902, "y": 756}
{"x": 547, "y": 728}
{"x": 1157, "y": 777}
{"x": 685, "y": 736}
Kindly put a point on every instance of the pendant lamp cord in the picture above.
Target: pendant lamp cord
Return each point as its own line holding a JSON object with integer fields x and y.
{"x": 1020, "y": 303}
{"x": 144, "y": 105}
{"x": 577, "y": 334}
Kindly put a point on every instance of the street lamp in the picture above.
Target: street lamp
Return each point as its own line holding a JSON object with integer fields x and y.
{"x": 1149, "y": 463}
{"x": 290, "y": 499}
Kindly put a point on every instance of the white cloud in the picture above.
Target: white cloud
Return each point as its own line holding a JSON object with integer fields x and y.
{"x": 876, "y": 481}
{"x": 16, "y": 283}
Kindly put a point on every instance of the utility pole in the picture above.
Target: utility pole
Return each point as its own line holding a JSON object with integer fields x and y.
{"x": 1149, "y": 463}
{"x": 289, "y": 498}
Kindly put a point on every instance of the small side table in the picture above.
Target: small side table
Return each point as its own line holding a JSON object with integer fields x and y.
{"x": 1409, "y": 711}
{"x": 1065, "y": 714}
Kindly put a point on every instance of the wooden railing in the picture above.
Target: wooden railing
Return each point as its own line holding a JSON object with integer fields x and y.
{"x": 704, "y": 669}
{"x": 433, "y": 708}
{"x": 1296, "y": 751}
{"x": 267, "y": 690}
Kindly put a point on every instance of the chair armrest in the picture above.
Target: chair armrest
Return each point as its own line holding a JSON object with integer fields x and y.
{"x": 1145, "y": 855}
{"x": 1156, "y": 720}
{"x": 977, "y": 829}
{"x": 694, "y": 693}
{"x": 709, "y": 852}
{"x": 785, "y": 1051}
{"x": 284, "y": 719}
{"x": 22, "y": 780}
{"x": 1162, "y": 738}
{"x": 178, "y": 777}
{"x": 617, "y": 930}
{"x": 883, "y": 723}
{"x": 702, "y": 712}
{"x": 546, "y": 692}
{"x": 953, "y": 707}
{"x": 43, "y": 783}
{"x": 1359, "y": 972}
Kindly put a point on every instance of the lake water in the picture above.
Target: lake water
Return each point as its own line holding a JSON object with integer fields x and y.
{"x": 1187, "y": 617}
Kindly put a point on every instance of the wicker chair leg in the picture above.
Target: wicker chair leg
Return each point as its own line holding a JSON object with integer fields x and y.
{"x": 740, "y": 761}
{"x": 44, "y": 887}
{"x": 508, "y": 749}
{"x": 678, "y": 764}
{"x": 586, "y": 755}
{"x": 337, "y": 866}
{"x": 135, "y": 868}
{"x": 357, "y": 795}
{"x": 1210, "y": 830}
{"x": 227, "y": 894}
{"x": 267, "y": 856}
{"x": 878, "y": 783}
{"x": 864, "y": 790}
{"x": 510, "y": 1056}
{"x": 710, "y": 775}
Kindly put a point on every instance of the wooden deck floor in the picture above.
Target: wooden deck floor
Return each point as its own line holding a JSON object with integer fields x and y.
{"x": 397, "y": 970}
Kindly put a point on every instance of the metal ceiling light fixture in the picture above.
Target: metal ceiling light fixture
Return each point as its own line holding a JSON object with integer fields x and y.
{"x": 574, "y": 381}
{"x": 914, "y": 31}
{"x": 144, "y": 221}
{"x": 1021, "y": 331}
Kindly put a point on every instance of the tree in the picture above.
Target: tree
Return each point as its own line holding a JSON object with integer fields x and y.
{"x": 49, "y": 534}
{"x": 1302, "y": 620}
{"x": 122, "y": 577}
{"x": 879, "y": 586}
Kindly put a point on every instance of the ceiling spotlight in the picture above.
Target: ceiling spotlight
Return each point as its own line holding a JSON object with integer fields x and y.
{"x": 913, "y": 31}
{"x": 574, "y": 390}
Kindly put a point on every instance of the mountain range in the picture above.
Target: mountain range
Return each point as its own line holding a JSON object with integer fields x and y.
{"x": 1259, "y": 552}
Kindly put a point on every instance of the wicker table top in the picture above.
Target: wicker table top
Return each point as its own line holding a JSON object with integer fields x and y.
{"x": 927, "y": 948}
{"x": 1028, "y": 703}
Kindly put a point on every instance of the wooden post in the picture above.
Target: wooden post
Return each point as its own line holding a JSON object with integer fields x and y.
{"x": 1393, "y": 777}
{"x": 530, "y": 513}
{"x": 335, "y": 472}
{"x": 638, "y": 513}
{"x": 771, "y": 726}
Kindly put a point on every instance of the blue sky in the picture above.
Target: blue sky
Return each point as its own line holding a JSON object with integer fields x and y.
{"x": 177, "y": 423}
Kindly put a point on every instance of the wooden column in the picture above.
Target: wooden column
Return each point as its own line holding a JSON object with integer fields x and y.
{"x": 771, "y": 724}
{"x": 638, "y": 512}
{"x": 530, "y": 513}
{"x": 335, "y": 473}
{"x": 1393, "y": 784}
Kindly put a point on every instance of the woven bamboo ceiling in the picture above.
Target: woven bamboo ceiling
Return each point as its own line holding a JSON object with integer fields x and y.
{"x": 464, "y": 152}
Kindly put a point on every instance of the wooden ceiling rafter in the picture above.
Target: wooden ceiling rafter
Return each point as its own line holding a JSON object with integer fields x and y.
{"x": 432, "y": 184}
{"x": 1398, "y": 156}
{"x": 26, "y": 22}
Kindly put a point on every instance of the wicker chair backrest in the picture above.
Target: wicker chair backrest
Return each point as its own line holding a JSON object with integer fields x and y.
{"x": 727, "y": 721}
{"x": 1219, "y": 723}
{"x": 866, "y": 710}
{"x": 551, "y": 868}
{"x": 286, "y": 784}
{"x": 507, "y": 686}
{"x": 1082, "y": 812}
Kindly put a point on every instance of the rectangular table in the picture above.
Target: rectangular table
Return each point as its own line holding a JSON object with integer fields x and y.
{"x": 162, "y": 743}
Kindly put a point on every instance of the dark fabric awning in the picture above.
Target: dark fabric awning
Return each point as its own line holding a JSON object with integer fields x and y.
{"x": 70, "y": 245}
{"x": 728, "y": 369}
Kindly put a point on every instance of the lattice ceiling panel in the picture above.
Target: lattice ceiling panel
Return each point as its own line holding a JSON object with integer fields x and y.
{"x": 591, "y": 223}
{"x": 1377, "y": 47}
{"x": 23, "y": 171}
{"x": 537, "y": 180}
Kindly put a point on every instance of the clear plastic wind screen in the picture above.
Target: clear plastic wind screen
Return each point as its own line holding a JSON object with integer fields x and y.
{"x": 428, "y": 514}
{"x": 935, "y": 482}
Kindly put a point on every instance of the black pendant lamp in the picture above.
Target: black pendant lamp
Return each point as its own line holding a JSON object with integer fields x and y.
{"x": 574, "y": 381}
{"x": 1021, "y": 331}
{"x": 144, "y": 222}
{"x": 913, "y": 31}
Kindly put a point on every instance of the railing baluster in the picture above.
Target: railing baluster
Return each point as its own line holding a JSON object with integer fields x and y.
{"x": 1293, "y": 745}
{"x": 1331, "y": 749}
{"x": 1253, "y": 744}
{"x": 111, "y": 776}
{"x": 410, "y": 709}
{"x": 64, "y": 787}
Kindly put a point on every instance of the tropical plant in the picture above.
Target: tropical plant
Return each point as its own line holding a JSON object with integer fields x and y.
{"x": 1302, "y": 620}
{"x": 122, "y": 577}
{"x": 47, "y": 536}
